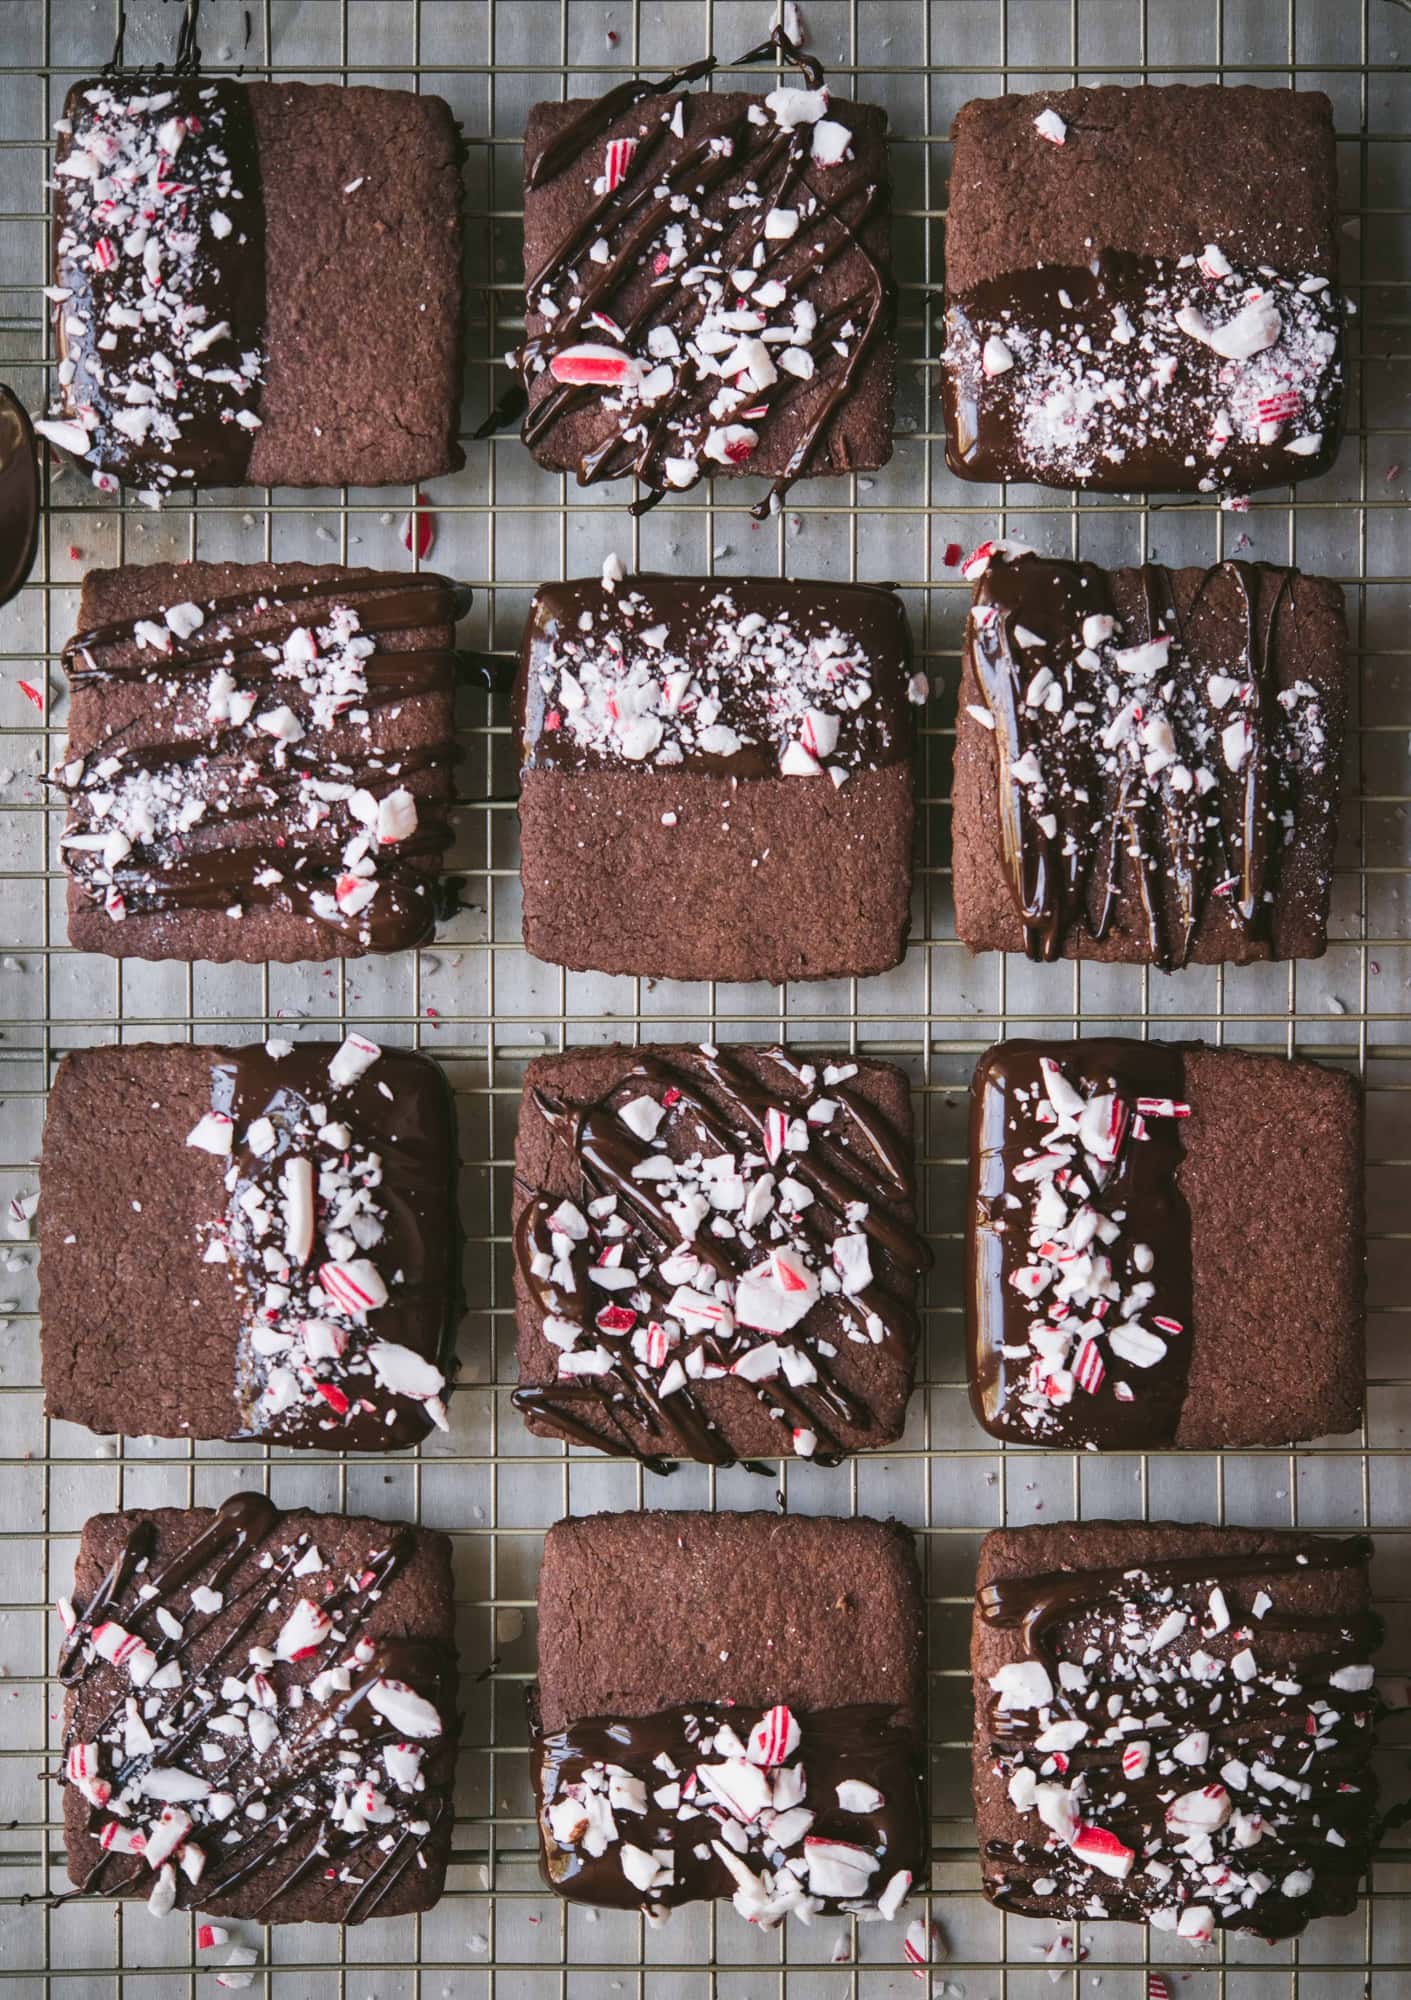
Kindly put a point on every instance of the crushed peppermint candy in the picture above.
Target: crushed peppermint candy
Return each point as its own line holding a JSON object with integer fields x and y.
{"x": 1217, "y": 1781}
{"x": 704, "y": 1800}
{"x": 158, "y": 334}
{"x": 306, "y": 1235}
{"x": 1082, "y": 1262}
{"x": 1127, "y": 373}
{"x": 746, "y": 678}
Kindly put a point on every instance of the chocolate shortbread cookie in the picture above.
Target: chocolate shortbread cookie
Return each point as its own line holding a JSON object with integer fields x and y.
{"x": 708, "y": 284}
{"x": 1142, "y": 288}
{"x": 717, "y": 777}
{"x": 249, "y": 1243}
{"x": 260, "y": 1712}
{"x": 715, "y": 1252}
{"x": 1174, "y": 1724}
{"x": 1147, "y": 763}
{"x": 1164, "y": 1246}
{"x": 260, "y": 761}
{"x": 731, "y": 1705}
{"x": 256, "y": 283}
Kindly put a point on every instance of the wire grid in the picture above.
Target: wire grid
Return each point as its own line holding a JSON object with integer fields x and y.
{"x": 480, "y": 1004}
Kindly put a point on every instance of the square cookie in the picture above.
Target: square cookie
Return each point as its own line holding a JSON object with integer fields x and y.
{"x": 1174, "y": 1724}
{"x": 1142, "y": 289}
{"x": 731, "y": 1705}
{"x": 260, "y": 761}
{"x": 249, "y": 1243}
{"x": 707, "y": 286}
{"x": 716, "y": 777}
{"x": 1148, "y": 761}
{"x": 256, "y": 284}
{"x": 1164, "y": 1246}
{"x": 259, "y": 1713}
{"x": 716, "y": 1253}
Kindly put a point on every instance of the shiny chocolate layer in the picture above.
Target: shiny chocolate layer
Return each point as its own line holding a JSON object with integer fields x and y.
{"x": 785, "y": 1813}
{"x": 695, "y": 370}
{"x": 159, "y": 282}
{"x": 253, "y": 1733}
{"x": 646, "y": 1301}
{"x": 1078, "y": 1243}
{"x": 340, "y": 1235}
{"x": 253, "y": 774}
{"x": 1128, "y": 774}
{"x": 740, "y": 677}
{"x": 1139, "y": 373}
{"x": 1190, "y": 1744}
{"x": 19, "y": 496}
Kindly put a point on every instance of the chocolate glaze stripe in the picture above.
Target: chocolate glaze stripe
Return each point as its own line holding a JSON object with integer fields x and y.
{"x": 288, "y": 1817}
{"x": 1097, "y": 839}
{"x": 205, "y": 192}
{"x": 1317, "y": 1803}
{"x": 736, "y": 1108}
{"x": 1089, "y": 1397}
{"x": 862, "y": 1745}
{"x": 1202, "y": 421}
{"x": 254, "y": 618}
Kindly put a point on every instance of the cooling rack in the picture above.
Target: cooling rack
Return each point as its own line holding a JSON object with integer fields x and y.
{"x": 484, "y": 1008}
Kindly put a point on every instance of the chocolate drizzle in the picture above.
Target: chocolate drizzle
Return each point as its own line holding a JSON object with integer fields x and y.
{"x": 158, "y": 251}
{"x": 1121, "y": 786}
{"x": 1092, "y": 382}
{"x": 1043, "y": 1368}
{"x": 683, "y": 172}
{"x": 288, "y": 1814}
{"x": 663, "y": 1751}
{"x": 388, "y": 1194}
{"x": 1193, "y": 1662}
{"x": 273, "y": 824}
{"x": 855, "y": 1182}
{"x": 19, "y": 496}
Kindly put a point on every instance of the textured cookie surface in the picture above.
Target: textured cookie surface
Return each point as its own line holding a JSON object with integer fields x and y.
{"x": 793, "y": 1333}
{"x": 260, "y": 1712}
{"x": 239, "y": 1244}
{"x": 1174, "y": 1723}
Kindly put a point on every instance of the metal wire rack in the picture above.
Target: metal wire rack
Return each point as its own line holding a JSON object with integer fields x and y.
{"x": 480, "y": 1004}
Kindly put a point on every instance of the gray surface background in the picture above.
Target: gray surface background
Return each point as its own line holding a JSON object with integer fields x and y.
{"x": 481, "y": 1005}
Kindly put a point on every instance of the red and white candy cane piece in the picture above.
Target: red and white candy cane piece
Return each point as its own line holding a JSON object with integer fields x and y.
{"x": 354, "y": 1287}
{"x": 1089, "y": 1367}
{"x": 208, "y": 1936}
{"x": 303, "y": 1631}
{"x": 120, "y": 1839}
{"x": 1279, "y": 407}
{"x": 1166, "y": 1323}
{"x": 336, "y": 1398}
{"x": 591, "y": 362}
{"x": 1101, "y": 1848}
{"x": 1162, "y": 1107}
{"x": 774, "y": 1737}
{"x": 82, "y": 1771}
{"x": 776, "y": 1128}
{"x": 1156, "y": 1987}
{"x": 1135, "y": 1758}
{"x": 618, "y": 161}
